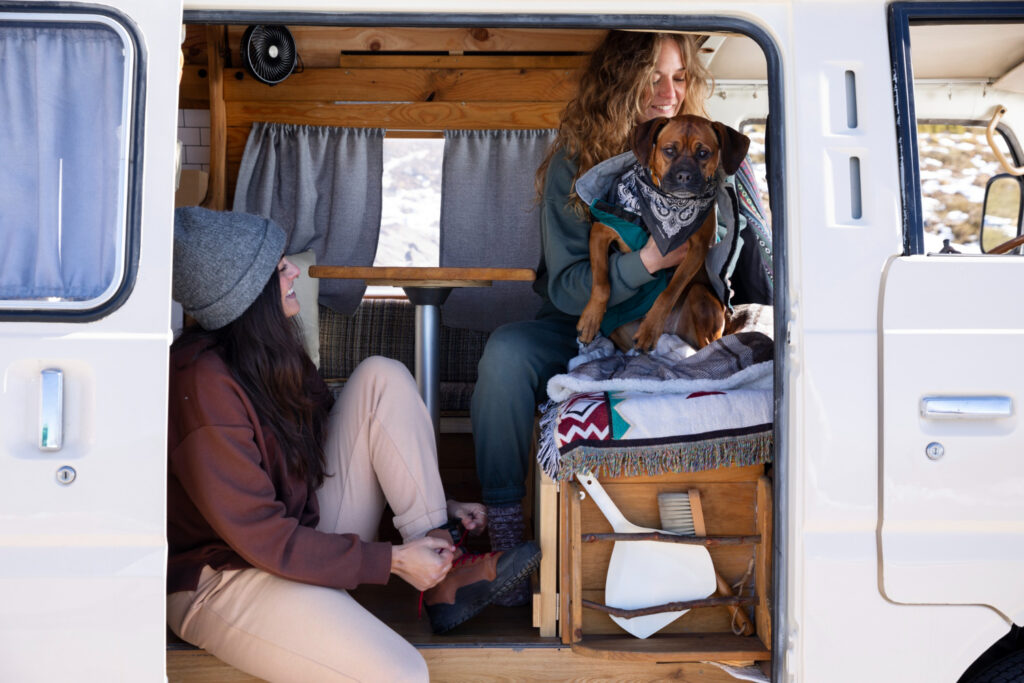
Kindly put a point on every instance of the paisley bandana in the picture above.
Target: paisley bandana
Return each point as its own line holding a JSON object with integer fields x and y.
{"x": 670, "y": 218}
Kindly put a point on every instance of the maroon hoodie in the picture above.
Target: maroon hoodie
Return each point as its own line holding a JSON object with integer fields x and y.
{"x": 231, "y": 502}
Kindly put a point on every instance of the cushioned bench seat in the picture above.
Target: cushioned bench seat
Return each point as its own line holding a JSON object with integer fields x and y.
{"x": 386, "y": 327}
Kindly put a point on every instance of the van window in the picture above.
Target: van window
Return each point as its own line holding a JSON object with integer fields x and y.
{"x": 65, "y": 100}
{"x": 757, "y": 130}
{"x": 956, "y": 165}
{"x": 411, "y": 202}
{"x": 944, "y": 103}
{"x": 410, "y": 217}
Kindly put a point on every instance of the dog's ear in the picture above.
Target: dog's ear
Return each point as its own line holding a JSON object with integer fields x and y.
{"x": 732, "y": 147}
{"x": 644, "y": 137}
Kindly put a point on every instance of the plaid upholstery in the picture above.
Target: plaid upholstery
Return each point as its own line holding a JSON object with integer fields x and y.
{"x": 386, "y": 327}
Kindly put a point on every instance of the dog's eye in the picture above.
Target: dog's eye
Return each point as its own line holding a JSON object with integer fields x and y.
{"x": 703, "y": 153}
{"x": 669, "y": 152}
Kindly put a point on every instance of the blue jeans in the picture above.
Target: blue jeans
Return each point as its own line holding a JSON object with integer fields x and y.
{"x": 517, "y": 363}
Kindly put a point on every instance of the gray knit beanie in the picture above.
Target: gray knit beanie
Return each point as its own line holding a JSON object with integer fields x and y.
{"x": 222, "y": 261}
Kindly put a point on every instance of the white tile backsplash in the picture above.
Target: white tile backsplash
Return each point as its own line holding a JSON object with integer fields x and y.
{"x": 194, "y": 133}
{"x": 197, "y": 118}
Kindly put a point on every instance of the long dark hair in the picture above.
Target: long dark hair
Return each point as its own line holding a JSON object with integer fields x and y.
{"x": 263, "y": 351}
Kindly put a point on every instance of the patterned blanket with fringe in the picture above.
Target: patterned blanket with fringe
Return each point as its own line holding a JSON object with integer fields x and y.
{"x": 714, "y": 410}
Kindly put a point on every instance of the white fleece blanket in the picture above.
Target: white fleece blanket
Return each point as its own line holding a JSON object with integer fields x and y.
{"x": 736, "y": 361}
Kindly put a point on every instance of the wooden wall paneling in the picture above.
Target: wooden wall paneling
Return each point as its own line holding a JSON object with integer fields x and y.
{"x": 194, "y": 46}
{"x": 194, "y": 92}
{"x": 320, "y": 46}
{"x": 215, "y": 198}
{"x": 236, "y": 139}
{"x": 409, "y": 116}
{"x": 575, "y": 584}
{"x": 564, "y": 562}
{"x": 763, "y": 571}
{"x": 571, "y": 62}
{"x": 410, "y": 84}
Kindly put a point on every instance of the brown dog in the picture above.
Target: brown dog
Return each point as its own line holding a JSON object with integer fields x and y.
{"x": 683, "y": 154}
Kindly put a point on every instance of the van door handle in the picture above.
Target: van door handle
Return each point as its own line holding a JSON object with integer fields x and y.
{"x": 966, "y": 407}
{"x": 51, "y": 409}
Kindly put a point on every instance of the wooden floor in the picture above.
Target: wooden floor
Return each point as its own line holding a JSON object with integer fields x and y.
{"x": 482, "y": 664}
{"x": 499, "y": 644}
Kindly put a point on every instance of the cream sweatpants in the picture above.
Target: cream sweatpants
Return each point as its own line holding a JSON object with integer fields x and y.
{"x": 380, "y": 449}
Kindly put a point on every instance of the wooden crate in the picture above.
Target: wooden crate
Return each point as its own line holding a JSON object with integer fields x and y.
{"x": 545, "y": 596}
{"x": 735, "y": 502}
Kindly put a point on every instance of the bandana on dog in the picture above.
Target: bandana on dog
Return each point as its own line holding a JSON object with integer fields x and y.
{"x": 741, "y": 228}
{"x": 670, "y": 218}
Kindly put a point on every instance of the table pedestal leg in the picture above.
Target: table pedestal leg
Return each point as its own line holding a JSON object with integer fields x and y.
{"x": 428, "y": 302}
{"x": 428, "y": 360}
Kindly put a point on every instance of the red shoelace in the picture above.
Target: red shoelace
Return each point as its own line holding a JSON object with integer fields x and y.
{"x": 465, "y": 558}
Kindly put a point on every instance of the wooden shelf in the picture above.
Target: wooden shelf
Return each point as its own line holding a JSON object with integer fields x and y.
{"x": 679, "y": 647}
{"x": 736, "y": 504}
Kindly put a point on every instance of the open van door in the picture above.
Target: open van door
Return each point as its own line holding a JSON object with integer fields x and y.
{"x": 88, "y": 100}
{"x": 952, "y": 324}
{"x": 952, "y": 382}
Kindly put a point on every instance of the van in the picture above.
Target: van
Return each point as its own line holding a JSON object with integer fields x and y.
{"x": 886, "y": 136}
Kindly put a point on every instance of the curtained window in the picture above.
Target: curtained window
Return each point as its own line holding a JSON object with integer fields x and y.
{"x": 322, "y": 184}
{"x": 490, "y": 218}
{"x": 65, "y": 98}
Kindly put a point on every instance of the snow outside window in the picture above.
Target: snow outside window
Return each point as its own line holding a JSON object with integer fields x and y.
{"x": 410, "y": 220}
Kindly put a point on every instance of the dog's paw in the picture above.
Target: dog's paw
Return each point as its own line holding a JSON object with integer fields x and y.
{"x": 589, "y": 323}
{"x": 585, "y": 331}
{"x": 646, "y": 337}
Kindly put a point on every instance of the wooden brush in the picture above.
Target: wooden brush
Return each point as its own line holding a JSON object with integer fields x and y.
{"x": 681, "y": 514}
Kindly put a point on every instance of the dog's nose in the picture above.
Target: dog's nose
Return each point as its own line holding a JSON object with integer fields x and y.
{"x": 684, "y": 177}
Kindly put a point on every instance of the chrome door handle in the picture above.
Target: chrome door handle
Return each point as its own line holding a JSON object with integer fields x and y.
{"x": 966, "y": 407}
{"x": 51, "y": 409}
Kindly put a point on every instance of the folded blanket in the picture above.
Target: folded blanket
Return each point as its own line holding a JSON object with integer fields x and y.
{"x": 673, "y": 410}
{"x": 629, "y": 433}
{"x": 741, "y": 360}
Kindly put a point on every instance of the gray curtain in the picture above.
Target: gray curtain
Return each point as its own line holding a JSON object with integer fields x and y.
{"x": 323, "y": 186}
{"x": 61, "y": 128}
{"x": 489, "y": 217}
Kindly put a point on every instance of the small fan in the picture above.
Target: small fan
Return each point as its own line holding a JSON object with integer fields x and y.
{"x": 268, "y": 52}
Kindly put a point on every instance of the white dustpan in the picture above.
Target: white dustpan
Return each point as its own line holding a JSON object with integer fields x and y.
{"x": 649, "y": 573}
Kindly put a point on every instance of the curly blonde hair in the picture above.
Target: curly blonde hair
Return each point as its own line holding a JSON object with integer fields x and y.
{"x": 612, "y": 90}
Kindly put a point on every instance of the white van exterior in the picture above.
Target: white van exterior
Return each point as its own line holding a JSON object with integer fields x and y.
{"x": 899, "y": 534}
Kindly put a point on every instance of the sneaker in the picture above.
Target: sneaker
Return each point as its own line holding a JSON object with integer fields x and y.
{"x": 475, "y": 581}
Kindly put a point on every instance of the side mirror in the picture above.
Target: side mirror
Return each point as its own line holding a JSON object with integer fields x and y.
{"x": 1001, "y": 212}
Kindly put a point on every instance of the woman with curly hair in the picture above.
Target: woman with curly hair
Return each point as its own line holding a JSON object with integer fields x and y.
{"x": 631, "y": 77}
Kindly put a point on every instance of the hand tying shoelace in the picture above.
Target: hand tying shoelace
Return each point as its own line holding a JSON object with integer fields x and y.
{"x": 475, "y": 580}
{"x": 460, "y": 560}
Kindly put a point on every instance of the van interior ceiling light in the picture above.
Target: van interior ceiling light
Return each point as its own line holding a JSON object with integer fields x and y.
{"x": 268, "y": 52}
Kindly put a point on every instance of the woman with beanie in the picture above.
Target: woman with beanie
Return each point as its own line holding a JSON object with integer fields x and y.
{"x": 276, "y": 491}
{"x": 631, "y": 77}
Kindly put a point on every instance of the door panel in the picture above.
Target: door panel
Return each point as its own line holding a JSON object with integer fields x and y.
{"x": 83, "y": 558}
{"x": 952, "y": 516}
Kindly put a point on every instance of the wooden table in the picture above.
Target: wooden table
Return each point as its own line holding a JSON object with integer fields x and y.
{"x": 427, "y": 289}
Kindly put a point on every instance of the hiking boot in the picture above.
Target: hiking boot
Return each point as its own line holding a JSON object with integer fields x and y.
{"x": 475, "y": 580}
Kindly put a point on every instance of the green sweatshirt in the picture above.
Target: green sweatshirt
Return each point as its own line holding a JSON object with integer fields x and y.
{"x": 563, "y": 275}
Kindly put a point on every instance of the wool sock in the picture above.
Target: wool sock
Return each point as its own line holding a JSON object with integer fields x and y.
{"x": 505, "y": 524}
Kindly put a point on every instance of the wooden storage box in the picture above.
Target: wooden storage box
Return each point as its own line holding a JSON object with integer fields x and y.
{"x": 736, "y": 501}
